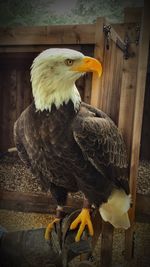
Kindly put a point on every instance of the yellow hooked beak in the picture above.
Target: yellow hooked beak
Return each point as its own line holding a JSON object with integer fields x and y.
{"x": 88, "y": 64}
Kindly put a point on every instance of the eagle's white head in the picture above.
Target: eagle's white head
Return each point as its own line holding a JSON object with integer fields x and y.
{"x": 53, "y": 76}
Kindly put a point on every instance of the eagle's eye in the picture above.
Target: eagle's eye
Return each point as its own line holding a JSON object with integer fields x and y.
{"x": 69, "y": 62}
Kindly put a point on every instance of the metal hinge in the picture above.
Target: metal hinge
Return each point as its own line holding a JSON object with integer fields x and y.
{"x": 123, "y": 45}
{"x": 107, "y": 30}
{"x": 137, "y": 29}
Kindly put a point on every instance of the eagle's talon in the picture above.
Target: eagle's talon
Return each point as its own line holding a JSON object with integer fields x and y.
{"x": 49, "y": 228}
{"x": 85, "y": 219}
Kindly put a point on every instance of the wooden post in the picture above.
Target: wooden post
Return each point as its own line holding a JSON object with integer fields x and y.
{"x": 127, "y": 98}
{"x": 106, "y": 244}
{"x": 137, "y": 122}
{"x": 99, "y": 54}
{"x": 96, "y": 97}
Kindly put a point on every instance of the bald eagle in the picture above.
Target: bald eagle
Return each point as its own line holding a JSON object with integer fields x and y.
{"x": 70, "y": 145}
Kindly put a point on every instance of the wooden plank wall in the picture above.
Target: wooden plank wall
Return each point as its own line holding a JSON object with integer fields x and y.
{"x": 15, "y": 97}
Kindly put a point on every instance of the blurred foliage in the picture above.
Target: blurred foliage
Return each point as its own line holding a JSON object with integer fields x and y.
{"x": 111, "y": 9}
{"x": 39, "y": 12}
{"x": 26, "y": 12}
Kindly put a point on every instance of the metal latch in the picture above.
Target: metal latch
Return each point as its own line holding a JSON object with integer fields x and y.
{"x": 123, "y": 45}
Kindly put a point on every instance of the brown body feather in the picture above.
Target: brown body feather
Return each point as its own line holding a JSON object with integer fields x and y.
{"x": 75, "y": 151}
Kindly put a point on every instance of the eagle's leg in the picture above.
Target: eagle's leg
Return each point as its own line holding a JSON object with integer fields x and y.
{"x": 60, "y": 194}
{"x": 83, "y": 219}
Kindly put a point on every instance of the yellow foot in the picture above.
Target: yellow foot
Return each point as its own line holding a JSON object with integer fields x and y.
{"x": 50, "y": 227}
{"x": 85, "y": 219}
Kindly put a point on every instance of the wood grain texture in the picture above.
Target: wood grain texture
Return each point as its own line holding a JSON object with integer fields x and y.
{"x": 87, "y": 88}
{"x": 106, "y": 244}
{"x": 29, "y": 202}
{"x": 41, "y": 35}
{"x": 98, "y": 54}
{"x": 111, "y": 81}
{"x": 127, "y": 98}
{"x": 8, "y": 83}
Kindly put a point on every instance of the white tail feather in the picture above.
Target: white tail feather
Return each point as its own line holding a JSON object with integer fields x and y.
{"x": 115, "y": 210}
{"x": 12, "y": 149}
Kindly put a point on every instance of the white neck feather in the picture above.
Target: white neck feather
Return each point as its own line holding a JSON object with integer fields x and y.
{"x": 45, "y": 97}
{"x": 47, "y": 91}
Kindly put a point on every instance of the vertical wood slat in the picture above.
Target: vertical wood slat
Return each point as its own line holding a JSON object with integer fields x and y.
{"x": 126, "y": 110}
{"x": 87, "y": 88}
{"x": 98, "y": 54}
{"x": 106, "y": 96}
{"x": 137, "y": 121}
{"x": 106, "y": 244}
{"x": 127, "y": 98}
{"x": 126, "y": 114}
{"x": 105, "y": 91}
{"x": 8, "y": 104}
{"x": 12, "y": 105}
{"x": 96, "y": 95}
{"x": 108, "y": 102}
{"x": 15, "y": 95}
{"x": 20, "y": 92}
{"x": 26, "y": 87}
{"x": 4, "y": 126}
{"x": 111, "y": 81}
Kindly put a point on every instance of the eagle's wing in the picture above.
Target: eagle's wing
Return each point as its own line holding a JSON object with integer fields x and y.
{"x": 101, "y": 142}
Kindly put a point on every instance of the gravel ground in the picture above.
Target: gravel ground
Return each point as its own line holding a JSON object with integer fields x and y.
{"x": 143, "y": 181}
{"x": 15, "y": 221}
{"x": 15, "y": 177}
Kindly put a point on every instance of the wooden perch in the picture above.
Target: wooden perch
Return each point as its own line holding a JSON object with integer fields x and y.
{"x": 40, "y": 203}
{"x": 29, "y": 202}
